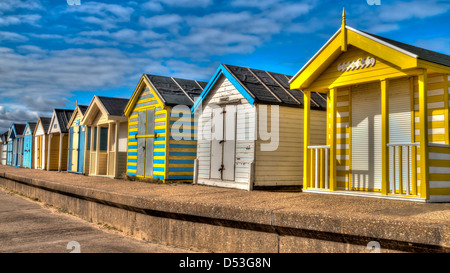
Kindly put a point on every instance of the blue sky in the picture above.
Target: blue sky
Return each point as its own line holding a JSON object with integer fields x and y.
{"x": 52, "y": 53}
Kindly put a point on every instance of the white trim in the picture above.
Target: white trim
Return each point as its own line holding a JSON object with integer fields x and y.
{"x": 382, "y": 42}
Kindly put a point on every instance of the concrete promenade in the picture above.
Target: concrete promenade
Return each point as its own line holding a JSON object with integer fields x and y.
{"x": 227, "y": 220}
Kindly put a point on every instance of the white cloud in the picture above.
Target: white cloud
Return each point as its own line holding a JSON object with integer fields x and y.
{"x": 102, "y": 14}
{"x": 11, "y": 36}
{"x": 31, "y": 19}
{"x": 12, "y": 5}
{"x": 412, "y": 9}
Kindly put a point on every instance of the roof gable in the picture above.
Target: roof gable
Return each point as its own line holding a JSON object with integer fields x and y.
{"x": 78, "y": 112}
{"x": 399, "y": 54}
{"x": 109, "y": 107}
{"x": 29, "y": 128}
{"x": 168, "y": 91}
{"x": 59, "y": 120}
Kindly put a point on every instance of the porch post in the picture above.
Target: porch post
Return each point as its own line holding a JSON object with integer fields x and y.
{"x": 116, "y": 150}
{"x": 423, "y": 137}
{"x": 306, "y": 138}
{"x": 91, "y": 150}
{"x": 97, "y": 150}
{"x": 332, "y": 137}
{"x": 61, "y": 136}
{"x": 108, "y": 144}
{"x": 384, "y": 137}
{"x": 50, "y": 136}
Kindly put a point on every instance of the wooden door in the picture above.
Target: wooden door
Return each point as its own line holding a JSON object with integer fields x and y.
{"x": 223, "y": 143}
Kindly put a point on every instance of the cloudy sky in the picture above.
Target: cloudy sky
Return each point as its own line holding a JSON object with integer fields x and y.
{"x": 52, "y": 53}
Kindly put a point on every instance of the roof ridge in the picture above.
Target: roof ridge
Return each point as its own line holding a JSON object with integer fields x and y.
{"x": 179, "y": 86}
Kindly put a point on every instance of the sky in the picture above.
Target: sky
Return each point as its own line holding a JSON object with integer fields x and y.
{"x": 53, "y": 54}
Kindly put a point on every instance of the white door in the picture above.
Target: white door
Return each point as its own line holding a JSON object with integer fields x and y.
{"x": 223, "y": 143}
{"x": 366, "y": 137}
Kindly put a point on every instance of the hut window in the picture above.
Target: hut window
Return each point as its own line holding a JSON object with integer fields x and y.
{"x": 88, "y": 145}
{"x": 103, "y": 139}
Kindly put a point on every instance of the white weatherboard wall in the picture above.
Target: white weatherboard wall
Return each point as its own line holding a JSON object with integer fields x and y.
{"x": 366, "y": 136}
{"x": 223, "y": 92}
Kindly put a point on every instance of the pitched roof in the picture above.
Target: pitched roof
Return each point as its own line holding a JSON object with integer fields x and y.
{"x": 45, "y": 123}
{"x": 272, "y": 88}
{"x": 422, "y": 53}
{"x": 63, "y": 116}
{"x": 83, "y": 108}
{"x": 20, "y": 128}
{"x": 32, "y": 126}
{"x": 114, "y": 106}
{"x": 175, "y": 91}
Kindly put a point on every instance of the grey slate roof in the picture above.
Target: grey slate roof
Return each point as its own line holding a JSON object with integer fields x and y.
{"x": 83, "y": 108}
{"x": 32, "y": 126}
{"x": 114, "y": 106}
{"x": 424, "y": 54}
{"x": 45, "y": 123}
{"x": 20, "y": 128}
{"x": 257, "y": 82}
{"x": 63, "y": 116}
{"x": 175, "y": 91}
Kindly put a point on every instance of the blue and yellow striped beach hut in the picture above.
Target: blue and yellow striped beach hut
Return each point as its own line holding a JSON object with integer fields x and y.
{"x": 161, "y": 128}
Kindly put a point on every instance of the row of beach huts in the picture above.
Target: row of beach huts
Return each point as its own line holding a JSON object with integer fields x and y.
{"x": 365, "y": 116}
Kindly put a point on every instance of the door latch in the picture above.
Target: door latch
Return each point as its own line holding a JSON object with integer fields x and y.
{"x": 221, "y": 168}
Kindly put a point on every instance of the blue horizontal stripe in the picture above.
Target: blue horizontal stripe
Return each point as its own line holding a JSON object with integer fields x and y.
{"x": 159, "y": 146}
{"x": 181, "y": 169}
{"x": 132, "y": 153}
{"x": 183, "y": 154}
{"x": 131, "y": 174}
{"x": 160, "y": 138}
{"x": 158, "y": 161}
{"x": 132, "y": 147}
{"x": 132, "y": 160}
{"x": 175, "y": 161}
{"x": 159, "y": 131}
{"x": 158, "y": 169}
{"x": 131, "y": 167}
{"x": 179, "y": 177}
{"x": 132, "y": 140}
{"x": 183, "y": 122}
{"x": 158, "y": 176}
{"x": 159, "y": 154}
{"x": 183, "y": 146}
{"x": 132, "y": 133}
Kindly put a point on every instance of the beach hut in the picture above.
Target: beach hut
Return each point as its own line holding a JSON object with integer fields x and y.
{"x": 58, "y": 140}
{"x": 388, "y": 125}
{"x": 28, "y": 145}
{"x": 250, "y": 130}
{"x": 15, "y": 145}
{"x": 40, "y": 135}
{"x": 161, "y": 142}
{"x": 106, "y": 148}
{"x": 77, "y": 141}
{"x": 4, "y": 147}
